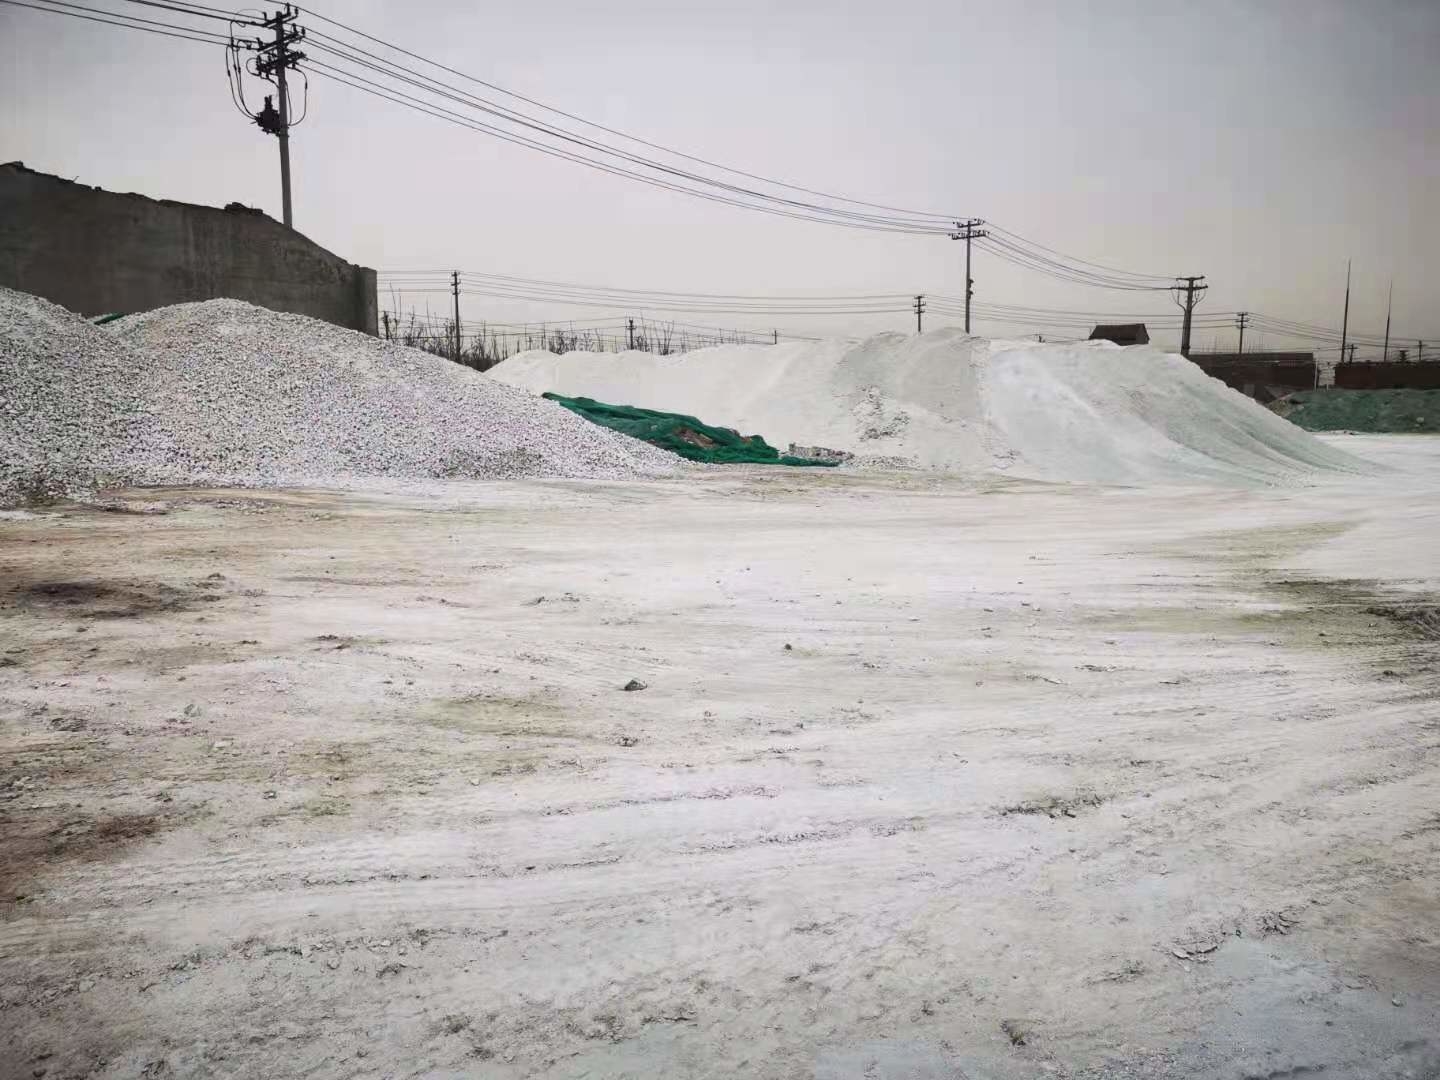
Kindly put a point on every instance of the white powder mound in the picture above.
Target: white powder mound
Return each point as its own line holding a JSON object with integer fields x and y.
{"x": 71, "y": 401}
{"x": 1084, "y": 412}
{"x": 226, "y": 393}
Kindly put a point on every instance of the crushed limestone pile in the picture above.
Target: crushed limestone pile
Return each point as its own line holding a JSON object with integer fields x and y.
{"x": 1090, "y": 411}
{"x": 226, "y": 393}
{"x": 72, "y": 401}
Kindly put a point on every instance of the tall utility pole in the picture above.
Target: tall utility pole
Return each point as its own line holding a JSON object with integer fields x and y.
{"x": 775, "y": 335}
{"x": 1240, "y": 320}
{"x": 919, "y": 311}
{"x": 968, "y": 230}
{"x": 1345, "y": 319}
{"x": 273, "y": 60}
{"x": 1419, "y": 351}
{"x": 630, "y": 333}
{"x": 1193, "y": 289}
{"x": 1389, "y": 301}
{"x": 455, "y": 290}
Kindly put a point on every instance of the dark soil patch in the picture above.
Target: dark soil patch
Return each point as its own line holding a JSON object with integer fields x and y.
{"x": 1055, "y": 806}
{"x": 1418, "y": 618}
{"x": 30, "y": 853}
{"x": 97, "y": 599}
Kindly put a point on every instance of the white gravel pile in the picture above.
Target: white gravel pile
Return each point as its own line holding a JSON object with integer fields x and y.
{"x": 1091, "y": 411}
{"x": 226, "y": 393}
{"x": 72, "y": 401}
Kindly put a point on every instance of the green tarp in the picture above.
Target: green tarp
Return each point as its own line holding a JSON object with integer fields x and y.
{"x": 680, "y": 434}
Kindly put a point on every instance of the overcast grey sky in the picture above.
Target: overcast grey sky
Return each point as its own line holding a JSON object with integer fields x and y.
{"x": 1259, "y": 143}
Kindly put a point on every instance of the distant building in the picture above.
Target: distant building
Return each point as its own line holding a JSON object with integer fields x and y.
{"x": 1122, "y": 333}
{"x": 1263, "y": 376}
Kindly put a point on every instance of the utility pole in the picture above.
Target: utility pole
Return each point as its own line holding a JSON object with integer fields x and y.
{"x": 273, "y": 60}
{"x": 630, "y": 332}
{"x": 919, "y": 311}
{"x": 385, "y": 316}
{"x": 1419, "y": 351}
{"x": 1389, "y": 301}
{"x": 1193, "y": 289}
{"x": 1240, "y": 320}
{"x": 968, "y": 230}
{"x": 775, "y": 334}
{"x": 1345, "y": 319}
{"x": 455, "y": 290}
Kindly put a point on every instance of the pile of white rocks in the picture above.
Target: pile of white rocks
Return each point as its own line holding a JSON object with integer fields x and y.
{"x": 226, "y": 393}
{"x": 72, "y": 401}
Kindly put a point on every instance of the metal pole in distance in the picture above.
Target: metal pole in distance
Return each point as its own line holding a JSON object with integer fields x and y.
{"x": 1192, "y": 289}
{"x": 1389, "y": 301}
{"x": 272, "y": 62}
{"x": 289, "y": 214}
{"x": 455, "y": 288}
{"x": 1345, "y": 319}
{"x": 968, "y": 230}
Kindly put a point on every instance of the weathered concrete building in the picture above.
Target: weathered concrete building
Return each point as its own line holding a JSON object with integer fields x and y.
{"x": 99, "y": 252}
{"x": 1389, "y": 375}
{"x": 1263, "y": 376}
{"x": 1121, "y": 333}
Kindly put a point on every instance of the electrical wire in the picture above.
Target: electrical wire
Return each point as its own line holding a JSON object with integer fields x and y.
{"x": 131, "y": 25}
{"x": 948, "y": 219}
{"x": 199, "y": 10}
{"x": 369, "y": 86}
{"x": 423, "y": 83}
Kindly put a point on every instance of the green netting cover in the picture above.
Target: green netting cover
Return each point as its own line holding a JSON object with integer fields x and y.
{"x": 680, "y": 434}
{"x": 1389, "y": 411}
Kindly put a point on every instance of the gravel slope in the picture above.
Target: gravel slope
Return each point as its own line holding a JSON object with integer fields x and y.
{"x": 223, "y": 392}
{"x": 70, "y": 400}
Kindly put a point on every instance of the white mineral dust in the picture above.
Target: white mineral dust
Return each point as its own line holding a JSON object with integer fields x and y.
{"x": 1088, "y": 411}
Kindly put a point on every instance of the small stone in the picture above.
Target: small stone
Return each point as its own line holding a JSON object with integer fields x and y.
{"x": 269, "y": 795}
{"x": 634, "y": 684}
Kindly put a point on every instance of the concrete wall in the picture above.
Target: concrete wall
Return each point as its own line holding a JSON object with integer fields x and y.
{"x": 1389, "y": 376}
{"x": 1258, "y": 378}
{"x": 97, "y": 252}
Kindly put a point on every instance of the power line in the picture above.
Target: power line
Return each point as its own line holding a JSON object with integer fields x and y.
{"x": 938, "y": 217}
{"x": 210, "y": 39}
{"x": 439, "y": 112}
{"x": 199, "y": 10}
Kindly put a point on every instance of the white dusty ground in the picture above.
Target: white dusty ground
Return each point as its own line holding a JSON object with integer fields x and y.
{"x": 929, "y": 780}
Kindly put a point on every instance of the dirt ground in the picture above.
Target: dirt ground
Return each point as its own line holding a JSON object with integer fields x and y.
{"x": 927, "y": 779}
